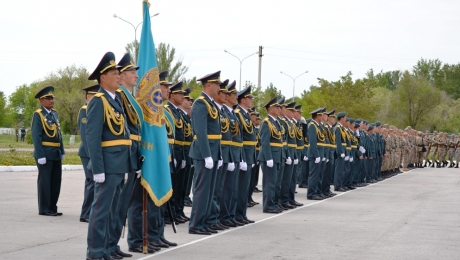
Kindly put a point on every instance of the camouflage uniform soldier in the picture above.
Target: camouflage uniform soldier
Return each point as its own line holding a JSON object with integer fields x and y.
{"x": 406, "y": 151}
{"x": 427, "y": 143}
{"x": 457, "y": 150}
{"x": 450, "y": 153}
{"x": 420, "y": 146}
{"x": 434, "y": 149}
{"x": 442, "y": 150}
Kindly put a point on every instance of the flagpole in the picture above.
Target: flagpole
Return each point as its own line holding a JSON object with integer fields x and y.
{"x": 145, "y": 225}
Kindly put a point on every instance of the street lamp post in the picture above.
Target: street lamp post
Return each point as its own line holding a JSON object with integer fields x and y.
{"x": 241, "y": 62}
{"x": 134, "y": 27}
{"x": 293, "y": 80}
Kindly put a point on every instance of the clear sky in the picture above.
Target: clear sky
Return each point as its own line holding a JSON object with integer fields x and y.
{"x": 327, "y": 38}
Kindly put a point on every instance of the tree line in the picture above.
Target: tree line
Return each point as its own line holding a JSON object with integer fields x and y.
{"x": 425, "y": 98}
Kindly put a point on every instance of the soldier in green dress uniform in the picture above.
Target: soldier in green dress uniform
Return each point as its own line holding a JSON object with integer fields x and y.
{"x": 206, "y": 153}
{"x": 108, "y": 141}
{"x": 83, "y": 152}
{"x": 48, "y": 152}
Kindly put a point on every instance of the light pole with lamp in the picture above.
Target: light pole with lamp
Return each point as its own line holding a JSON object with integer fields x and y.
{"x": 293, "y": 80}
{"x": 134, "y": 27}
{"x": 241, "y": 62}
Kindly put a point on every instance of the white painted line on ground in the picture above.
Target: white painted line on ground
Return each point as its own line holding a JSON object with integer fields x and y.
{"x": 259, "y": 221}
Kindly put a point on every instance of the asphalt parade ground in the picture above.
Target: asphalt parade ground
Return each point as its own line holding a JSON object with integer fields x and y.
{"x": 414, "y": 215}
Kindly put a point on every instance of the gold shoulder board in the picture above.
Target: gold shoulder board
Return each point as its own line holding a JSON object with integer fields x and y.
{"x": 99, "y": 94}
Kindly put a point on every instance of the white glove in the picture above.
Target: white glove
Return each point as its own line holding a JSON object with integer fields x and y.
{"x": 305, "y": 158}
{"x": 362, "y": 150}
{"x": 99, "y": 178}
{"x": 346, "y": 158}
{"x": 270, "y": 163}
{"x": 324, "y": 159}
{"x": 219, "y": 163}
{"x": 243, "y": 166}
{"x": 327, "y": 160}
{"x": 183, "y": 164}
{"x": 296, "y": 161}
{"x": 42, "y": 160}
{"x": 252, "y": 166}
{"x": 289, "y": 161}
{"x": 208, "y": 163}
{"x": 318, "y": 159}
{"x": 231, "y": 167}
{"x": 62, "y": 157}
{"x": 191, "y": 166}
{"x": 126, "y": 177}
{"x": 175, "y": 163}
{"x": 351, "y": 159}
{"x": 342, "y": 155}
{"x": 139, "y": 174}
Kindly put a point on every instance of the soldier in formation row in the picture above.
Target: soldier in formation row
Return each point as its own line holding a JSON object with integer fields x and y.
{"x": 218, "y": 145}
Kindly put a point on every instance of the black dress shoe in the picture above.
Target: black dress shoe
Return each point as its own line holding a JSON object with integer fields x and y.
{"x": 250, "y": 205}
{"x": 111, "y": 258}
{"x": 168, "y": 242}
{"x": 228, "y": 224}
{"x": 296, "y": 203}
{"x": 198, "y": 232}
{"x": 255, "y": 203}
{"x": 238, "y": 223}
{"x": 288, "y": 206}
{"x": 115, "y": 256}
{"x": 58, "y": 213}
{"x": 339, "y": 189}
{"x": 244, "y": 221}
{"x": 154, "y": 247}
{"x": 158, "y": 243}
{"x": 139, "y": 249}
{"x": 179, "y": 220}
{"x": 185, "y": 219}
{"x": 94, "y": 258}
{"x": 250, "y": 221}
{"x": 188, "y": 204}
{"x": 351, "y": 188}
{"x": 211, "y": 230}
{"x": 271, "y": 211}
{"x": 50, "y": 214}
{"x": 222, "y": 226}
{"x": 314, "y": 198}
{"x": 216, "y": 227}
{"x": 84, "y": 220}
{"x": 123, "y": 254}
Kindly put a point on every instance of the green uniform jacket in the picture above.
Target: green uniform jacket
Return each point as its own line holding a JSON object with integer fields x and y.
{"x": 110, "y": 159}
{"x": 249, "y": 135}
{"x": 226, "y": 136}
{"x": 237, "y": 136}
{"x": 271, "y": 143}
{"x": 41, "y": 133}
{"x": 133, "y": 122}
{"x": 179, "y": 133}
{"x": 205, "y": 125}
{"x": 83, "y": 150}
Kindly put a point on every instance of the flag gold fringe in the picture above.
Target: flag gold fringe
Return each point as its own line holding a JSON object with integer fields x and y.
{"x": 158, "y": 202}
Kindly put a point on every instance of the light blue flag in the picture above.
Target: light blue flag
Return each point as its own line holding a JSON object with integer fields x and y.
{"x": 156, "y": 177}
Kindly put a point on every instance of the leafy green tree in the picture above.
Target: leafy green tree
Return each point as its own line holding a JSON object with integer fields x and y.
{"x": 68, "y": 83}
{"x": 3, "y": 111}
{"x": 21, "y": 104}
{"x": 415, "y": 97}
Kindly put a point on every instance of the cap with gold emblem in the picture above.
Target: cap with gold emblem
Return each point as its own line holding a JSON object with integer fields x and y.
{"x": 213, "y": 78}
{"x": 45, "y": 92}
{"x": 91, "y": 89}
{"x": 126, "y": 63}
{"x": 245, "y": 93}
{"x": 290, "y": 106}
{"x": 107, "y": 63}
{"x": 272, "y": 103}
{"x": 232, "y": 87}
{"x": 298, "y": 108}
{"x": 281, "y": 101}
{"x": 223, "y": 87}
{"x": 164, "y": 78}
{"x": 177, "y": 88}
{"x": 187, "y": 93}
